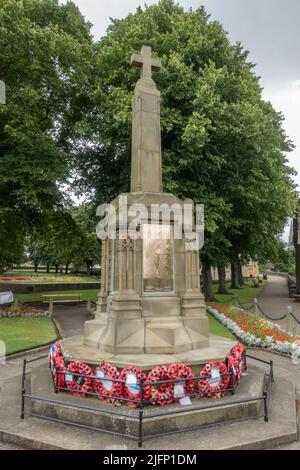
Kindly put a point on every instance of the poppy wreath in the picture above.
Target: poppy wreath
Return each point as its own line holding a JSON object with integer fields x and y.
{"x": 211, "y": 390}
{"x": 160, "y": 394}
{"x": 57, "y": 363}
{"x": 60, "y": 366}
{"x": 101, "y": 387}
{"x": 80, "y": 386}
{"x": 236, "y": 362}
{"x": 177, "y": 371}
{"x": 131, "y": 391}
{"x": 238, "y": 351}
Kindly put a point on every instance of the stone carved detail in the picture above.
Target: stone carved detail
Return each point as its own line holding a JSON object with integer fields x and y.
{"x": 127, "y": 244}
{"x": 191, "y": 243}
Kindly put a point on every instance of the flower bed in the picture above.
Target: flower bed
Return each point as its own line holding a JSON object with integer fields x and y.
{"x": 24, "y": 313}
{"x": 15, "y": 279}
{"x": 253, "y": 331}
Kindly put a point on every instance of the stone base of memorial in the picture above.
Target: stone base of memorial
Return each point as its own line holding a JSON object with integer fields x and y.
{"x": 218, "y": 349}
{"x": 184, "y": 418}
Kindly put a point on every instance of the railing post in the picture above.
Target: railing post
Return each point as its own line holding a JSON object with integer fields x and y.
{"x": 256, "y": 312}
{"x": 51, "y": 307}
{"x": 23, "y": 389}
{"x": 89, "y": 306}
{"x": 232, "y": 384}
{"x": 141, "y": 413}
{"x": 55, "y": 378}
{"x": 288, "y": 320}
{"x": 266, "y": 414}
{"x": 272, "y": 371}
{"x": 245, "y": 361}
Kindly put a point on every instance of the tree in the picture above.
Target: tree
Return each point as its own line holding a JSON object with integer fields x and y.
{"x": 46, "y": 55}
{"x": 89, "y": 249}
{"x": 223, "y": 146}
{"x": 11, "y": 239}
{"x": 66, "y": 236}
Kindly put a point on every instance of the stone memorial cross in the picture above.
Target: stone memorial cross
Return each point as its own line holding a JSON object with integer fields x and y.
{"x": 146, "y": 161}
{"x": 146, "y": 62}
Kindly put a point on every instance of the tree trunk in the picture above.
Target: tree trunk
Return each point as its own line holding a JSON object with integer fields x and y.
{"x": 48, "y": 268}
{"x": 234, "y": 275}
{"x": 56, "y": 268}
{"x": 207, "y": 281}
{"x": 88, "y": 267}
{"x": 67, "y": 268}
{"x": 222, "y": 280}
{"x": 36, "y": 268}
{"x": 240, "y": 273}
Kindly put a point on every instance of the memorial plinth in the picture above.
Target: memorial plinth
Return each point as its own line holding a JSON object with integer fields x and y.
{"x": 150, "y": 308}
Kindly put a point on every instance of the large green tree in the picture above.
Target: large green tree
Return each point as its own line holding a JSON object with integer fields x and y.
{"x": 223, "y": 145}
{"x": 46, "y": 54}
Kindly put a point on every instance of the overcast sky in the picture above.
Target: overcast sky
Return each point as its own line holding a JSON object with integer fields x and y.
{"x": 269, "y": 29}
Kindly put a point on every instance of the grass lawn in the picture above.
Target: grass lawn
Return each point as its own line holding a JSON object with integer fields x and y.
{"x": 246, "y": 294}
{"x": 86, "y": 294}
{"x": 25, "y": 333}
{"x": 216, "y": 328}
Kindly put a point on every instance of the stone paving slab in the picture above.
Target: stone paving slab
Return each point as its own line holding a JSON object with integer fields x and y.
{"x": 274, "y": 300}
{"x": 254, "y": 434}
{"x": 4, "y": 446}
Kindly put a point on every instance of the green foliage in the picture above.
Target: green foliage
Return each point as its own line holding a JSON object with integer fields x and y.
{"x": 11, "y": 239}
{"x": 89, "y": 250}
{"x": 86, "y": 294}
{"x": 246, "y": 294}
{"x": 45, "y": 59}
{"x": 66, "y": 236}
{"x": 223, "y": 145}
{"x": 69, "y": 114}
{"x": 283, "y": 258}
{"x": 216, "y": 328}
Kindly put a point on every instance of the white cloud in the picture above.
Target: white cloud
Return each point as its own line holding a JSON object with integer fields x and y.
{"x": 287, "y": 100}
{"x": 98, "y": 12}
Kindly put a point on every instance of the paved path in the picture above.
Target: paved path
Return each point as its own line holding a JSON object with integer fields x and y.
{"x": 274, "y": 299}
{"x": 71, "y": 318}
{"x": 4, "y": 446}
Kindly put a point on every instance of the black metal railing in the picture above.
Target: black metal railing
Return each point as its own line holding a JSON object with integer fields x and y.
{"x": 140, "y": 403}
{"x": 254, "y": 305}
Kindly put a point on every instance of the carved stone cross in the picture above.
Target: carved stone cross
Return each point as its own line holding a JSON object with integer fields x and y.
{"x": 146, "y": 62}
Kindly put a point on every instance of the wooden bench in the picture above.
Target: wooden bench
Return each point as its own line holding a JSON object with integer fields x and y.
{"x": 55, "y": 298}
{"x": 292, "y": 291}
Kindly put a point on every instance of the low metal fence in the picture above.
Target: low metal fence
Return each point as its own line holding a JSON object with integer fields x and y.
{"x": 291, "y": 320}
{"x": 138, "y": 415}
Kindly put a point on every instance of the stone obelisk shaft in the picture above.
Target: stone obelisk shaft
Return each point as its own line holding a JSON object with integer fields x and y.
{"x": 146, "y": 164}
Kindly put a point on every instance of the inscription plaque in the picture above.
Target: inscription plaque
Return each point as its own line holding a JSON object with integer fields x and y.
{"x": 158, "y": 261}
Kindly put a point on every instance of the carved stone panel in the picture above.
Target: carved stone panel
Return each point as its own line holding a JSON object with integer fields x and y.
{"x": 158, "y": 258}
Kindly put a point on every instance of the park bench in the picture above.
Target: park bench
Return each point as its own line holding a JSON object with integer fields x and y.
{"x": 292, "y": 290}
{"x": 61, "y": 298}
